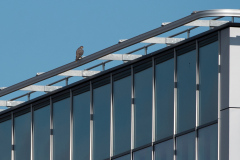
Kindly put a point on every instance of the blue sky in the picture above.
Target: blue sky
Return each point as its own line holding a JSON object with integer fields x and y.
{"x": 37, "y": 36}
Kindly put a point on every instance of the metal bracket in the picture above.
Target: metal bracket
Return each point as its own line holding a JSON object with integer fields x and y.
{"x": 38, "y": 88}
{"x": 175, "y": 84}
{"x": 10, "y": 103}
{"x": 79, "y": 73}
{"x": 202, "y": 23}
{"x": 120, "y": 57}
{"x": 160, "y": 40}
{"x": 197, "y": 87}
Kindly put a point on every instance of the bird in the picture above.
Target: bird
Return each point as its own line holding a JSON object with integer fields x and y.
{"x": 79, "y": 53}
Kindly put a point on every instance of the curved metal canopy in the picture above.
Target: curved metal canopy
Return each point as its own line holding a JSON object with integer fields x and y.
{"x": 194, "y": 16}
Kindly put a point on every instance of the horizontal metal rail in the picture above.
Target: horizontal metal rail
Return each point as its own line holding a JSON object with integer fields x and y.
{"x": 119, "y": 46}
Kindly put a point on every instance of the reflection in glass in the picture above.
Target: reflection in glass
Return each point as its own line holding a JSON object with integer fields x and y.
{"x": 101, "y": 124}
{"x": 5, "y": 140}
{"x": 164, "y": 150}
{"x": 208, "y": 82}
{"x": 61, "y": 129}
{"x": 22, "y": 137}
{"x": 126, "y": 157}
{"x": 42, "y": 133}
{"x": 143, "y": 107}
{"x": 143, "y": 154}
{"x": 81, "y": 126}
{"x": 122, "y": 115}
{"x": 164, "y": 99}
{"x": 186, "y": 88}
{"x": 208, "y": 143}
{"x": 186, "y": 147}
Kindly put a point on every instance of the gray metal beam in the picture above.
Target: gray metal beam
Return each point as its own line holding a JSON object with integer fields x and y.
{"x": 38, "y": 88}
{"x": 78, "y": 73}
{"x": 160, "y": 40}
{"x": 203, "y": 23}
{"x": 10, "y": 103}
{"x": 117, "y": 47}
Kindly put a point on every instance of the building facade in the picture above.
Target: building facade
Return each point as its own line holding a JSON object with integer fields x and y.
{"x": 177, "y": 103}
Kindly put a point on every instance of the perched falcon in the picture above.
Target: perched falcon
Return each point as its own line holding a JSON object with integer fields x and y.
{"x": 79, "y": 53}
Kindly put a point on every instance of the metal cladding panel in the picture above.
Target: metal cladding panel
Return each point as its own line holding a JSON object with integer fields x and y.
{"x": 224, "y": 135}
{"x": 234, "y": 66}
{"x": 234, "y": 130}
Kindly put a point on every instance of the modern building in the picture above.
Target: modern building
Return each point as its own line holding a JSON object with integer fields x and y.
{"x": 178, "y": 103}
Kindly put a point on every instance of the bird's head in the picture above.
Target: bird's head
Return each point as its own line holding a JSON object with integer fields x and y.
{"x": 81, "y": 47}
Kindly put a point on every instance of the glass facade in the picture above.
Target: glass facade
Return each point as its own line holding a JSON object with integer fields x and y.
{"x": 186, "y": 88}
{"x": 208, "y": 83}
{"x": 61, "y": 129}
{"x": 164, "y": 99}
{"x": 126, "y": 118}
{"x": 101, "y": 122}
{"x": 143, "y": 107}
{"x": 208, "y": 141}
{"x": 143, "y": 154}
{"x": 81, "y": 126}
{"x": 164, "y": 150}
{"x": 122, "y": 108}
{"x": 41, "y": 133}
{"x": 186, "y": 147}
{"x": 22, "y": 137}
{"x": 125, "y": 157}
{"x": 5, "y": 140}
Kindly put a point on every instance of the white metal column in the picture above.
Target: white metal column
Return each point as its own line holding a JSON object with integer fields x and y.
{"x": 230, "y": 91}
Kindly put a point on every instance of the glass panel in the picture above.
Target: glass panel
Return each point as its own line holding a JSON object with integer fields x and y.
{"x": 164, "y": 150}
{"x": 143, "y": 107}
{"x": 22, "y": 137}
{"x": 208, "y": 82}
{"x": 186, "y": 147}
{"x": 101, "y": 118}
{"x": 208, "y": 143}
{"x": 122, "y": 108}
{"x": 164, "y": 99}
{"x": 143, "y": 154}
{"x": 42, "y": 133}
{"x": 126, "y": 157}
{"x": 81, "y": 126}
{"x": 61, "y": 129}
{"x": 5, "y": 140}
{"x": 186, "y": 88}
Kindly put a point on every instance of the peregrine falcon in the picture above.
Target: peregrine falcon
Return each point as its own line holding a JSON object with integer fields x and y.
{"x": 79, "y": 53}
